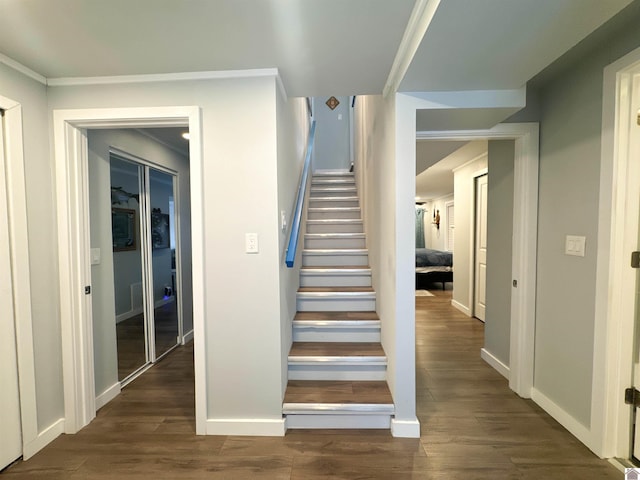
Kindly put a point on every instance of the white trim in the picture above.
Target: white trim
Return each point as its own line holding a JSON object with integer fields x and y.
{"x": 187, "y": 337}
{"x": 109, "y": 394}
{"x": 460, "y": 307}
{"x": 615, "y": 281}
{"x": 70, "y": 161}
{"x": 18, "y": 67}
{"x": 405, "y": 428}
{"x": 127, "y": 315}
{"x": 43, "y": 439}
{"x": 577, "y": 429}
{"x": 524, "y": 254}
{"x": 419, "y": 21}
{"x": 495, "y": 363}
{"x": 263, "y": 427}
{"x": 162, "y": 77}
{"x": 21, "y": 281}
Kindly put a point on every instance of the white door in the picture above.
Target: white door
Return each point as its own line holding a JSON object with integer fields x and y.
{"x": 10, "y": 426}
{"x": 481, "y": 247}
{"x": 450, "y": 225}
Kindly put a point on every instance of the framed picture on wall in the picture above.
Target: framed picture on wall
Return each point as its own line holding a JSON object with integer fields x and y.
{"x": 159, "y": 230}
{"x": 123, "y": 229}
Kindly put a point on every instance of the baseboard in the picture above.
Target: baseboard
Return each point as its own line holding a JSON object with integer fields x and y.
{"x": 127, "y": 315}
{"x": 577, "y": 429}
{"x": 43, "y": 439}
{"x": 187, "y": 337}
{"x": 497, "y": 365}
{"x": 108, "y": 395}
{"x": 405, "y": 428}
{"x": 246, "y": 426}
{"x": 341, "y": 421}
{"x": 458, "y": 306}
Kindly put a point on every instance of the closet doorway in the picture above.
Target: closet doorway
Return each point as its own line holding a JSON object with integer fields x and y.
{"x": 144, "y": 264}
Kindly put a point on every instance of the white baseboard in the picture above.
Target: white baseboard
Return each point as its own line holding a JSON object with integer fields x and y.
{"x": 187, "y": 337}
{"x": 340, "y": 421}
{"x": 576, "y": 428}
{"x": 109, "y": 394}
{"x": 246, "y": 426}
{"x": 127, "y": 315}
{"x": 405, "y": 428}
{"x": 43, "y": 439}
{"x": 458, "y": 306}
{"x": 500, "y": 367}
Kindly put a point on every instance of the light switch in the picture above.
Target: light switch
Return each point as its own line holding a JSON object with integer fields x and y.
{"x": 251, "y": 243}
{"x": 95, "y": 256}
{"x": 575, "y": 245}
{"x": 283, "y": 221}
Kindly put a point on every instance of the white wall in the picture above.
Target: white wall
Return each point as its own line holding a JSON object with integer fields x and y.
{"x": 331, "y": 151}
{"x": 293, "y": 130}
{"x": 240, "y": 196}
{"x": 41, "y": 215}
{"x": 435, "y": 238}
{"x": 464, "y": 240}
{"x": 388, "y": 204}
{"x": 497, "y": 329}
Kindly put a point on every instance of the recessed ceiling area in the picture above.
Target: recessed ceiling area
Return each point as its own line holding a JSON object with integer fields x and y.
{"x": 170, "y": 137}
{"x": 437, "y": 180}
{"x": 461, "y": 118}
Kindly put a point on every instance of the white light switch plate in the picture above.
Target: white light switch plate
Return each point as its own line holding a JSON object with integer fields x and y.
{"x": 95, "y": 256}
{"x": 575, "y": 245}
{"x": 251, "y": 243}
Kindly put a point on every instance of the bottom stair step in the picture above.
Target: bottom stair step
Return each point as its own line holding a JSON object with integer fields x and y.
{"x": 338, "y": 404}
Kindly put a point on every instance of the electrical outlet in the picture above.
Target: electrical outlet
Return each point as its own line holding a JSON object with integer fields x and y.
{"x": 251, "y": 243}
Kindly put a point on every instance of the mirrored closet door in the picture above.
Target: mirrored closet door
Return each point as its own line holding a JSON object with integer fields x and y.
{"x": 144, "y": 264}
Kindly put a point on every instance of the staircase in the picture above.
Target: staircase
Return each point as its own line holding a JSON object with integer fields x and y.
{"x": 337, "y": 367}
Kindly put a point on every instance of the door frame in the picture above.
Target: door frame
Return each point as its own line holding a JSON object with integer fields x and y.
{"x": 474, "y": 257}
{"x": 71, "y": 163}
{"x": 525, "y": 239}
{"x": 32, "y": 441}
{"x": 618, "y": 228}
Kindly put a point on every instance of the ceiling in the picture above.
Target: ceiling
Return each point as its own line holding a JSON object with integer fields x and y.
{"x": 329, "y": 47}
{"x": 437, "y": 180}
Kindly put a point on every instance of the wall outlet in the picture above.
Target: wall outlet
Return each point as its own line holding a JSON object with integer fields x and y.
{"x": 251, "y": 243}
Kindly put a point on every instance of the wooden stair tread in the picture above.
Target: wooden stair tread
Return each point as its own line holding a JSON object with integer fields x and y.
{"x": 335, "y": 289}
{"x": 337, "y": 267}
{"x": 338, "y": 392}
{"x": 335, "y": 316}
{"x": 336, "y": 349}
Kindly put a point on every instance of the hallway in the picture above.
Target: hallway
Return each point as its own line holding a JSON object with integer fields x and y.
{"x": 473, "y": 427}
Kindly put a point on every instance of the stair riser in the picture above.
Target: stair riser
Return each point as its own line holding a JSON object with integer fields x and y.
{"x": 337, "y": 372}
{"x": 330, "y": 214}
{"x": 333, "y": 202}
{"x": 335, "y": 280}
{"x": 346, "y": 227}
{"x": 332, "y": 304}
{"x": 334, "y": 243}
{"x": 352, "y": 421}
{"x": 334, "y": 260}
{"x": 333, "y": 192}
{"x": 329, "y": 334}
{"x": 333, "y": 181}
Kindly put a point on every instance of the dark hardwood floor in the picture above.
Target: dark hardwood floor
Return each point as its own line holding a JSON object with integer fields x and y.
{"x": 473, "y": 427}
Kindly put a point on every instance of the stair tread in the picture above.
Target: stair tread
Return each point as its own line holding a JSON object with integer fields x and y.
{"x": 337, "y": 267}
{"x": 335, "y": 220}
{"x": 335, "y": 289}
{"x": 338, "y": 392}
{"x": 335, "y": 316}
{"x": 336, "y": 349}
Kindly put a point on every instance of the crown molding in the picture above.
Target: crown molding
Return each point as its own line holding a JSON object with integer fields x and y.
{"x": 162, "y": 77}
{"x": 18, "y": 67}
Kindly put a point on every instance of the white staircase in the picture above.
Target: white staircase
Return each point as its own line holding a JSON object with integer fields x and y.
{"x": 337, "y": 366}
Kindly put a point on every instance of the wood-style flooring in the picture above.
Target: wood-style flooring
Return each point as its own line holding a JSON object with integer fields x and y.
{"x": 473, "y": 427}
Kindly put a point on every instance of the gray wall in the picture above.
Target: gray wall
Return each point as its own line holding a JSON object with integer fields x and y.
{"x": 499, "y": 241}
{"x": 41, "y": 219}
{"x": 331, "y": 150}
{"x": 571, "y": 123}
{"x": 115, "y": 267}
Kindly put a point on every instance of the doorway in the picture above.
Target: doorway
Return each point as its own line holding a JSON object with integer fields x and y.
{"x": 70, "y": 132}
{"x": 480, "y": 257}
{"x": 10, "y": 425}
